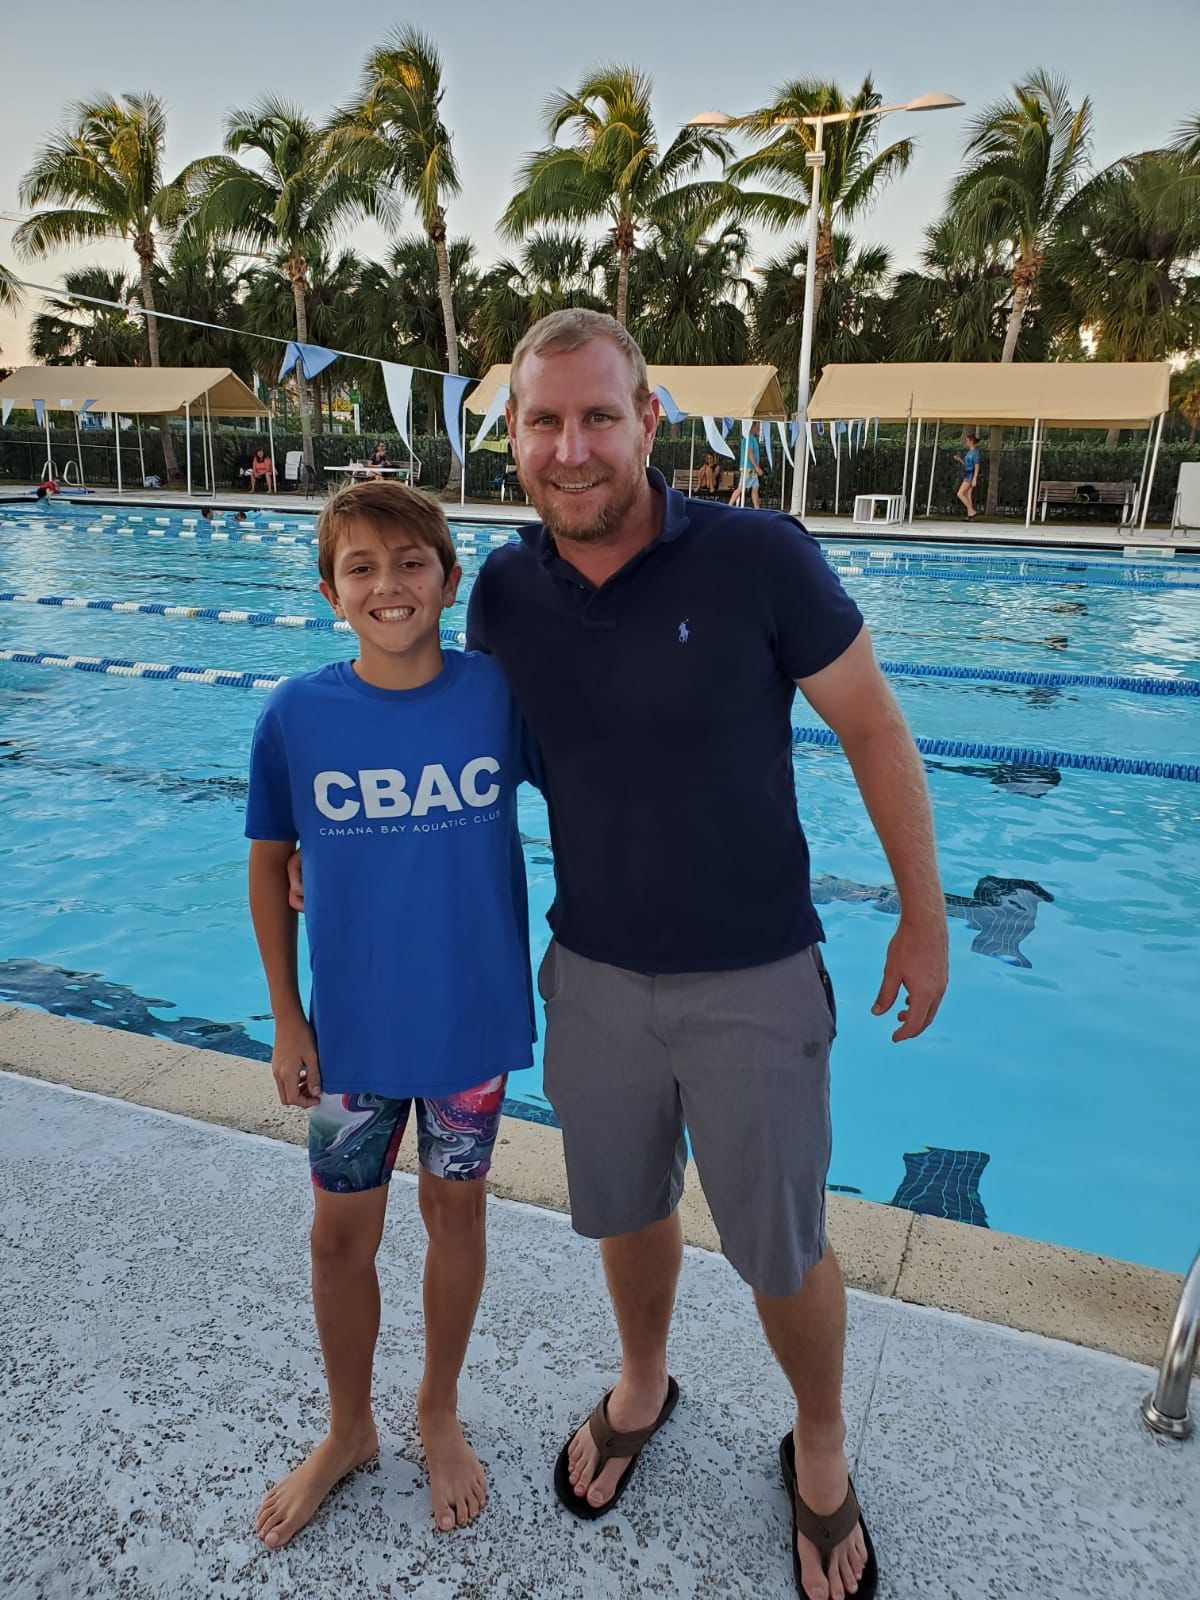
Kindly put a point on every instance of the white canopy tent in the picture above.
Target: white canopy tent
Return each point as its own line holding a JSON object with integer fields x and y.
{"x": 137, "y": 392}
{"x": 1042, "y": 395}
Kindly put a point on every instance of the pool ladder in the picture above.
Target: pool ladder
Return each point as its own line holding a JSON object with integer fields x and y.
{"x": 1166, "y": 1410}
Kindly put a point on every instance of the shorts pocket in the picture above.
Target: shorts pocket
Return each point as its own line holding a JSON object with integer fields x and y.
{"x": 549, "y": 979}
{"x": 826, "y": 989}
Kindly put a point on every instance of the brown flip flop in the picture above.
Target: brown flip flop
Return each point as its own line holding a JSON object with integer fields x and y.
{"x": 609, "y": 1442}
{"x": 826, "y": 1532}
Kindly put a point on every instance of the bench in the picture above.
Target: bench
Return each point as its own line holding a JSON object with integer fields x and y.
{"x": 1086, "y": 492}
{"x": 685, "y": 481}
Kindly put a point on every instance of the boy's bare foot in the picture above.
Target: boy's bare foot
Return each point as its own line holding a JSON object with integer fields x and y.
{"x": 457, "y": 1484}
{"x": 290, "y": 1504}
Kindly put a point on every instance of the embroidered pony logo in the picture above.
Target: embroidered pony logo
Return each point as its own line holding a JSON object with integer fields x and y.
{"x": 684, "y": 632}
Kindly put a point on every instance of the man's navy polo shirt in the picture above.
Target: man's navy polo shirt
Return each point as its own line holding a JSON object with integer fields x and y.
{"x": 662, "y": 705}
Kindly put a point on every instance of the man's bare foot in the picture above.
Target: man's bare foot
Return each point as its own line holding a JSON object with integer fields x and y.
{"x": 628, "y": 1409}
{"x": 290, "y": 1504}
{"x": 457, "y": 1483}
{"x": 822, "y": 1477}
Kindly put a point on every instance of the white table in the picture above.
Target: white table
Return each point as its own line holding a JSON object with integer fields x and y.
{"x": 367, "y": 466}
{"x": 885, "y": 508}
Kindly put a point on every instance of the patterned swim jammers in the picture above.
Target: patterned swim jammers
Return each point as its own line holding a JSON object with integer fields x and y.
{"x": 353, "y": 1139}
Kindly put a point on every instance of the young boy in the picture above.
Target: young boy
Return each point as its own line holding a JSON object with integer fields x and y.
{"x": 397, "y": 773}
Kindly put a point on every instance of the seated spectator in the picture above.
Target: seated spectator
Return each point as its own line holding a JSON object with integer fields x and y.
{"x": 262, "y": 471}
{"x": 708, "y": 478}
{"x": 378, "y": 458}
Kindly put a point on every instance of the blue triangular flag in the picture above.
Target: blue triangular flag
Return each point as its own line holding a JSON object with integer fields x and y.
{"x": 766, "y": 439}
{"x": 670, "y": 409}
{"x": 453, "y": 389}
{"x": 39, "y": 411}
{"x": 313, "y": 359}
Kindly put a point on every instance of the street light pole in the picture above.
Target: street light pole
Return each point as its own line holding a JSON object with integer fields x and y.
{"x": 815, "y": 160}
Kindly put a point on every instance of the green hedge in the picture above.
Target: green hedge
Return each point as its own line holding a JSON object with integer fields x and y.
{"x": 877, "y": 468}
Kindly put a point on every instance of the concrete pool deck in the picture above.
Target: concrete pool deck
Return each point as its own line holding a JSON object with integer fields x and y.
{"x": 161, "y": 1369}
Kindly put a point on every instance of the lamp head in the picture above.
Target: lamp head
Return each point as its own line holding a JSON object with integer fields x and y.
{"x": 937, "y": 101}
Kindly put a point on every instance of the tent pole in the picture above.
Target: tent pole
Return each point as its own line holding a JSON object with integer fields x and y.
{"x": 912, "y": 505}
{"x": 411, "y": 453}
{"x": 1137, "y": 504}
{"x": 187, "y": 412}
{"x": 117, "y": 442}
{"x": 141, "y": 453}
{"x": 49, "y": 468}
{"x": 837, "y": 468}
{"x": 210, "y": 465}
{"x": 1033, "y": 450}
{"x": 692, "y": 461}
{"x": 907, "y": 437}
{"x": 462, "y": 444}
{"x": 1153, "y": 467}
{"x": 271, "y": 443}
{"x": 937, "y": 430}
{"x": 78, "y": 450}
{"x": 783, "y": 468}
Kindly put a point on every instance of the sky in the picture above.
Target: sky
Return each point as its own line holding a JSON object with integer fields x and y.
{"x": 502, "y": 61}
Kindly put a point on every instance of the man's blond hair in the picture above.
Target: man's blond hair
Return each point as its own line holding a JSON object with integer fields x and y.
{"x": 386, "y": 507}
{"x": 563, "y": 331}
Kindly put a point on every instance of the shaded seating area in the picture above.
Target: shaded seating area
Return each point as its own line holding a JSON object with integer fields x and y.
{"x": 1039, "y": 396}
{"x": 1080, "y": 495}
{"x": 196, "y": 394}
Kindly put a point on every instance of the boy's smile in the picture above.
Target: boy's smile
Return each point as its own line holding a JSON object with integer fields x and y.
{"x": 392, "y": 591}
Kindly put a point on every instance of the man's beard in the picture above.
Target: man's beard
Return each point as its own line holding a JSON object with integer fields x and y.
{"x": 604, "y": 524}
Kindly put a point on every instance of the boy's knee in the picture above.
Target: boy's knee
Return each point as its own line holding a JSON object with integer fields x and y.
{"x": 338, "y": 1247}
{"x": 452, "y": 1207}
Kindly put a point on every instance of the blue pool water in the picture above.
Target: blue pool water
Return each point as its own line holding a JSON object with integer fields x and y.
{"x": 1066, "y": 1044}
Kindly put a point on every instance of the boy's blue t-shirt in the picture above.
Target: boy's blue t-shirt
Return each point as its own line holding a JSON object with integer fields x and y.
{"x": 404, "y": 803}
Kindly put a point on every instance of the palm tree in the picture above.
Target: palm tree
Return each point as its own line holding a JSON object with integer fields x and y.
{"x": 1187, "y": 137}
{"x": 10, "y": 291}
{"x": 614, "y": 169}
{"x": 102, "y": 178}
{"x": 553, "y": 271}
{"x": 849, "y": 323}
{"x": 1026, "y": 159}
{"x": 694, "y": 300}
{"x": 954, "y": 306}
{"x": 395, "y": 131}
{"x": 1128, "y": 255}
{"x": 1185, "y": 396}
{"x": 288, "y": 207}
{"x": 204, "y": 282}
{"x": 396, "y": 313}
{"x": 76, "y": 332}
{"x": 854, "y": 171}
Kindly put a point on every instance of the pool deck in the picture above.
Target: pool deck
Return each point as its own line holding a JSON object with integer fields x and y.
{"x": 161, "y": 1368}
{"x": 1056, "y": 534}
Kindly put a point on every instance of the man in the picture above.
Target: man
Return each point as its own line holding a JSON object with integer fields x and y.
{"x": 751, "y": 472}
{"x": 654, "y": 644}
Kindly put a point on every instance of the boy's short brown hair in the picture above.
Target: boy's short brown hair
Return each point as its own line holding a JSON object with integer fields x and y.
{"x": 384, "y": 506}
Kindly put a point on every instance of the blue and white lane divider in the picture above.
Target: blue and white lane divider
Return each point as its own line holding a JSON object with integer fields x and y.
{"x": 1096, "y": 578}
{"x": 1028, "y": 756}
{"x": 156, "y": 608}
{"x": 238, "y": 533}
{"x": 893, "y": 669}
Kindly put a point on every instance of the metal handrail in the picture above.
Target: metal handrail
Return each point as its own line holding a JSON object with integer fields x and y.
{"x": 1166, "y": 1410}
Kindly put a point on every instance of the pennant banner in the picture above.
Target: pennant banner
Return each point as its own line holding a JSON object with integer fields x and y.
{"x": 812, "y": 449}
{"x": 86, "y": 406}
{"x": 6, "y": 411}
{"x": 39, "y": 411}
{"x": 783, "y": 444}
{"x": 766, "y": 439}
{"x": 715, "y": 442}
{"x": 312, "y": 359}
{"x": 397, "y": 382}
{"x": 667, "y": 401}
{"x": 492, "y": 416}
{"x": 453, "y": 390}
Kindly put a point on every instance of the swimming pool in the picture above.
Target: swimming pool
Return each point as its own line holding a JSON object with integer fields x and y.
{"x": 1066, "y": 1043}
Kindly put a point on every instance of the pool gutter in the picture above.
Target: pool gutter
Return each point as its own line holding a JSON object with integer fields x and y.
{"x": 1089, "y": 1300}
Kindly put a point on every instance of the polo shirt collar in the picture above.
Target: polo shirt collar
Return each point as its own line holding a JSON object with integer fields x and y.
{"x": 674, "y": 521}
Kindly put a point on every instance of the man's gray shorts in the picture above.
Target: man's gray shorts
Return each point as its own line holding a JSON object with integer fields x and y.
{"x": 741, "y": 1058}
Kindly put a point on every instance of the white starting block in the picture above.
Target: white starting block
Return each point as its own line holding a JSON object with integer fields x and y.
{"x": 887, "y": 509}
